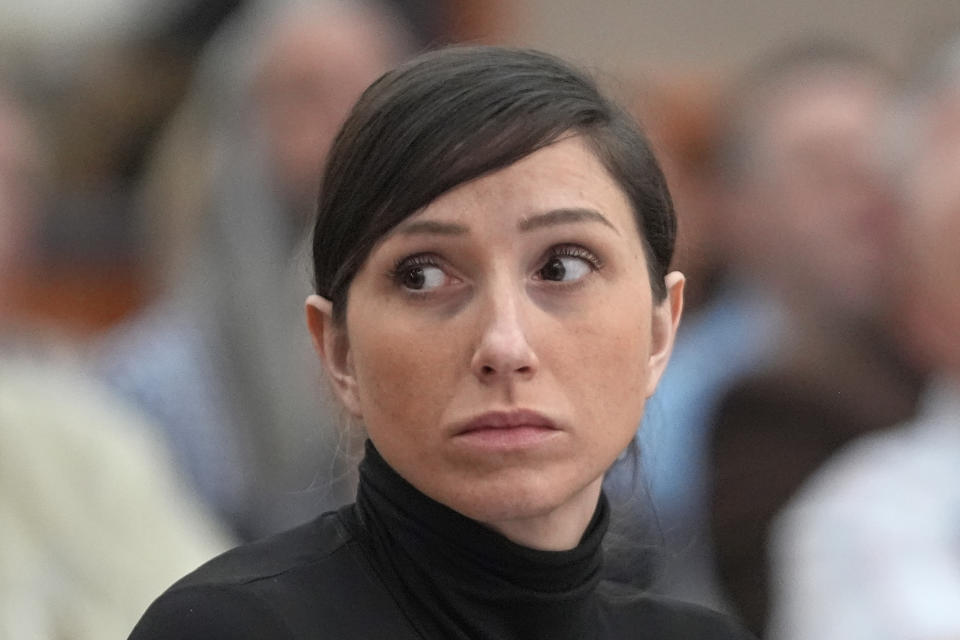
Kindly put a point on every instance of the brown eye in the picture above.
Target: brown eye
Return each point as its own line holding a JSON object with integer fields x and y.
{"x": 563, "y": 268}
{"x": 414, "y": 278}
{"x": 422, "y": 277}
{"x": 554, "y": 270}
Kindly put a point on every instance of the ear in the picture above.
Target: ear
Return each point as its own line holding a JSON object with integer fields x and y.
{"x": 332, "y": 345}
{"x": 663, "y": 329}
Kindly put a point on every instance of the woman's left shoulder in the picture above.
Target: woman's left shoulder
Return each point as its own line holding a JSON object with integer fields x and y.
{"x": 627, "y": 613}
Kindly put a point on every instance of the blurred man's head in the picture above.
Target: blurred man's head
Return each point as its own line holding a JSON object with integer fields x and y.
{"x": 929, "y": 157}
{"x": 808, "y": 210}
{"x": 316, "y": 60}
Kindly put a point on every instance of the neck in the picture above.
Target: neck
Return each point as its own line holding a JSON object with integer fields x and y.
{"x": 462, "y": 578}
{"x": 559, "y": 529}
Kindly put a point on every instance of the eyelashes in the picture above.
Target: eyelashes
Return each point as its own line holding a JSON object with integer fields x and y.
{"x": 568, "y": 265}
{"x": 401, "y": 266}
{"x": 576, "y": 251}
{"x": 419, "y": 273}
{"x": 562, "y": 264}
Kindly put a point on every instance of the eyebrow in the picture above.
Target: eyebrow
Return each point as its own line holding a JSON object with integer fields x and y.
{"x": 563, "y": 216}
{"x": 432, "y": 227}
{"x": 547, "y": 219}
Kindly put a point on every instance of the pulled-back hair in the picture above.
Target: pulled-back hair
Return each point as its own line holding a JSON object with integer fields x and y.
{"x": 453, "y": 115}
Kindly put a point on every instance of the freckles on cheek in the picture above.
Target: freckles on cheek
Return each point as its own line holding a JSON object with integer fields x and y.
{"x": 621, "y": 367}
{"x": 383, "y": 374}
{"x": 620, "y": 386}
{"x": 398, "y": 376}
{"x": 616, "y": 357}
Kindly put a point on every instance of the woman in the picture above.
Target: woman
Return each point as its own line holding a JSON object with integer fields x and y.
{"x": 491, "y": 254}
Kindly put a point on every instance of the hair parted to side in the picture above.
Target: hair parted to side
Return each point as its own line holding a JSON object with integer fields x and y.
{"x": 453, "y": 115}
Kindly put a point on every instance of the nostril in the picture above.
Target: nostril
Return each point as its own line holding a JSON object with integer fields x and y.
{"x": 487, "y": 370}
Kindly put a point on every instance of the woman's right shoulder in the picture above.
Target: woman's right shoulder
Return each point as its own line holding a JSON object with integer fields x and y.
{"x": 273, "y": 588}
{"x": 210, "y": 611}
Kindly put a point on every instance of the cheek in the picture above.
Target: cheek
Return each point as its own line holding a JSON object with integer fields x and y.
{"x": 606, "y": 368}
{"x": 403, "y": 375}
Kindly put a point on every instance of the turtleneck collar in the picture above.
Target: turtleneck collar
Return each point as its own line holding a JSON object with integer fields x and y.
{"x": 457, "y": 579}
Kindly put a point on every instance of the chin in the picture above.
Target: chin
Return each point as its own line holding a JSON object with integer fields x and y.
{"x": 511, "y": 494}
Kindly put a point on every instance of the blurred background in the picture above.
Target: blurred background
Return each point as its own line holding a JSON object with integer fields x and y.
{"x": 158, "y": 397}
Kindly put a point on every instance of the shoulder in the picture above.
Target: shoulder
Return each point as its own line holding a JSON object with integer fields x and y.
{"x": 664, "y": 618}
{"x": 210, "y": 612}
{"x": 873, "y": 480}
{"x": 315, "y": 543}
{"x": 310, "y": 580}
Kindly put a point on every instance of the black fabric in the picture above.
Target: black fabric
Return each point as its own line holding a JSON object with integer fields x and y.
{"x": 398, "y": 565}
{"x": 774, "y": 428}
{"x": 463, "y": 580}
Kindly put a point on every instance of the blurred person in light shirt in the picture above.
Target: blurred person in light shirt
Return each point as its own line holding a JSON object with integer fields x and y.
{"x": 787, "y": 358}
{"x": 870, "y": 548}
{"x": 92, "y": 520}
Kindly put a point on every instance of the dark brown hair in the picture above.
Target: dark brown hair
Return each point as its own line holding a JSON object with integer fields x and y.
{"x": 453, "y": 115}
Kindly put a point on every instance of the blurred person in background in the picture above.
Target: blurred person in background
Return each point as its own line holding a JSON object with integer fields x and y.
{"x": 92, "y": 518}
{"x": 221, "y": 361}
{"x": 812, "y": 220}
{"x": 804, "y": 229}
{"x": 870, "y": 548}
{"x": 108, "y": 76}
{"x": 104, "y": 98}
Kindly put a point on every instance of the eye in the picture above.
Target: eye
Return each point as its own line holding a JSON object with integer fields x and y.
{"x": 421, "y": 278}
{"x": 420, "y": 273}
{"x": 568, "y": 263}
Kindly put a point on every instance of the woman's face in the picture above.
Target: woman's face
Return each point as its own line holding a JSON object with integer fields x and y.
{"x": 499, "y": 344}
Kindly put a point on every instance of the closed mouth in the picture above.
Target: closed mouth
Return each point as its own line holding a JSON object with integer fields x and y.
{"x": 513, "y": 419}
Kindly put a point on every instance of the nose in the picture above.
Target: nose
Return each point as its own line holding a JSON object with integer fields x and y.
{"x": 503, "y": 351}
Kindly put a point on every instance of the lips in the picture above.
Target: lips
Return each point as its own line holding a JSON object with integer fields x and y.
{"x": 505, "y": 420}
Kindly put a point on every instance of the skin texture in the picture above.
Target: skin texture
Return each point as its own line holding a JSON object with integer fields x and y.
{"x": 496, "y": 335}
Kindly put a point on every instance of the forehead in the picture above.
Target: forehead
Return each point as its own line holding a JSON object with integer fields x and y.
{"x": 565, "y": 174}
{"x": 837, "y": 111}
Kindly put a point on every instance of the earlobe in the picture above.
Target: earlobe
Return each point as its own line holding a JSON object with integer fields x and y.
{"x": 663, "y": 329}
{"x": 332, "y": 346}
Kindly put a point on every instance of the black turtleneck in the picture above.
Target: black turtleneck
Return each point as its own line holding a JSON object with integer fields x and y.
{"x": 465, "y": 581}
{"x": 397, "y": 565}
